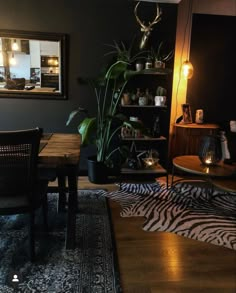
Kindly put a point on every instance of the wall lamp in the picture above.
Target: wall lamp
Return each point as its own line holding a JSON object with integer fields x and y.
{"x": 187, "y": 69}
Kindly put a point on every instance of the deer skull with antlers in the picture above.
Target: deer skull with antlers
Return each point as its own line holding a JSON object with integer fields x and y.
{"x": 146, "y": 29}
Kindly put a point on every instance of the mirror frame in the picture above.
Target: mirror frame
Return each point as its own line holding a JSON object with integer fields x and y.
{"x": 45, "y": 36}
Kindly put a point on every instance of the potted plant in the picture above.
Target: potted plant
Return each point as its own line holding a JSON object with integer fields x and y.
{"x": 160, "y": 98}
{"x": 102, "y": 129}
{"x": 127, "y": 53}
{"x": 160, "y": 58}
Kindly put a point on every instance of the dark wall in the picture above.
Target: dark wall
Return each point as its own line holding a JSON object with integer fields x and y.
{"x": 213, "y": 48}
{"x": 90, "y": 25}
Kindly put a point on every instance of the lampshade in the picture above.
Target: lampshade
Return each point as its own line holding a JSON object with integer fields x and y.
{"x": 210, "y": 150}
{"x": 187, "y": 69}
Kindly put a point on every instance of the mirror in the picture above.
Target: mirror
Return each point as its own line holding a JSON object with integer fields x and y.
{"x": 32, "y": 65}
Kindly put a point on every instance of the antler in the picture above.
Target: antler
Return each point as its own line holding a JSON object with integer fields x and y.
{"x": 146, "y": 28}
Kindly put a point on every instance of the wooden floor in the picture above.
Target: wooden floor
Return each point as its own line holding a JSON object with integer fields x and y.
{"x": 159, "y": 262}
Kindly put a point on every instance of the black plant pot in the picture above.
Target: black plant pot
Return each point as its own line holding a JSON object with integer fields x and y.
{"x": 97, "y": 171}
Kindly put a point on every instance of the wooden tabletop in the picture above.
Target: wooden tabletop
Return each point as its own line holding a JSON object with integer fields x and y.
{"x": 60, "y": 149}
{"x": 193, "y": 165}
{"x": 197, "y": 125}
{"x": 226, "y": 184}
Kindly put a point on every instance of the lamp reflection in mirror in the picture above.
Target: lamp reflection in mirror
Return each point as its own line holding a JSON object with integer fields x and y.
{"x": 15, "y": 46}
{"x": 12, "y": 60}
{"x": 187, "y": 69}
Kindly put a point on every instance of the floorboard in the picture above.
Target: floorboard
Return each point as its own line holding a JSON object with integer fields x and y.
{"x": 160, "y": 262}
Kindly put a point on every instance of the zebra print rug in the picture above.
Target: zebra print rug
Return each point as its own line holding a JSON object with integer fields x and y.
{"x": 184, "y": 209}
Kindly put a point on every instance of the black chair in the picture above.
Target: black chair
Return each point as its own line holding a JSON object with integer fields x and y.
{"x": 21, "y": 192}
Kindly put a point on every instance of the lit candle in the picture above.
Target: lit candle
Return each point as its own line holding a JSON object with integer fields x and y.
{"x": 149, "y": 161}
{"x": 209, "y": 158}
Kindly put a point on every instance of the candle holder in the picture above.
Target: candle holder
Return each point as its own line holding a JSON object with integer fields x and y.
{"x": 151, "y": 159}
{"x": 210, "y": 150}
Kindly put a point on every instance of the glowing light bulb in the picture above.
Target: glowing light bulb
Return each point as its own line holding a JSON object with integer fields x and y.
{"x": 15, "y": 46}
{"x": 12, "y": 59}
{"x": 187, "y": 69}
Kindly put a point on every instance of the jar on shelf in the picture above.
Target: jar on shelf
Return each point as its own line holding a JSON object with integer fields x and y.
{"x": 149, "y": 96}
{"x": 125, "y": 100}
{"x": 143, "y": 101}
{"x": 135, "y": 96}
{"x": 156, "y": 132}
{"x": 148, "y": 63}
{"x": 139, "y": 66}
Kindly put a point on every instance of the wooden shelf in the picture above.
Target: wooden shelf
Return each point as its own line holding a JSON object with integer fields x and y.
{"x": 155, "y": 170}
{"x": 198, "y": 126}
{"x": 158, "y": 71}
{"x": 145, "y": 138}
{"x": 147, "y": 106}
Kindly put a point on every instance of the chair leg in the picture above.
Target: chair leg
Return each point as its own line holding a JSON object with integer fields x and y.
{"x": 31, "y": 237}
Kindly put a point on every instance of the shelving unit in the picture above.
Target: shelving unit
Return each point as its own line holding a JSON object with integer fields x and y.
{"x": 49, "y": 72}
{"x": 149, "y": 79}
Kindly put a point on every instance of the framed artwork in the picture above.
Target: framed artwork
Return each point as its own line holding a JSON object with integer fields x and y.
{"x": 186, "y": 112}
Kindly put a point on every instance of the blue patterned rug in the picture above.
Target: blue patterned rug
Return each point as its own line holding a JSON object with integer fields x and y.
{"x": 91, "y": 267}
{"x": 186, "y": 210}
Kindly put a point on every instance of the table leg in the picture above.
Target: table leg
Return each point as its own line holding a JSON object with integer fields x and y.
{"x": 72, "y": 207}
{"x": 209, "y": 189}
{"x": 167, "y": 181}
{"x": 172, "y": 176}
{"x": 61, "y": 207}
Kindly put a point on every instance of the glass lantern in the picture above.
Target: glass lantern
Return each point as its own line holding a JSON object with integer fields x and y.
{"x": 151, "y": 159}
{"x": 210, "y": 150}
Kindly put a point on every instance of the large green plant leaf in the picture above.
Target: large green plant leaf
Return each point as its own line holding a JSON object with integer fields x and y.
{"x": 71, "y": 116}
{"x": 87, "y": 128}
{"x": 74, "y": 113}
{"x": 116, "y": 69}
{"x": 130, "y": 73}
{"x": 101, "y": 130}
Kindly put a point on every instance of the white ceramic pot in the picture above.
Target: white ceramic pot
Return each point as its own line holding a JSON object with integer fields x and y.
{"x": 160, "y": 100}
{"x": 139, "y": 66}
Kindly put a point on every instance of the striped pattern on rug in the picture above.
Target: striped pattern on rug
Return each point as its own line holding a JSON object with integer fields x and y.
{"x": 184, "y": 209}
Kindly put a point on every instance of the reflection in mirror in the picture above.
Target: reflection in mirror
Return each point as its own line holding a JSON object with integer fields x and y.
{"x": 32, "y": 64}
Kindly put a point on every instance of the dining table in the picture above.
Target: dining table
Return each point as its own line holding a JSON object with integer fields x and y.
{"x": 60, "y": 153}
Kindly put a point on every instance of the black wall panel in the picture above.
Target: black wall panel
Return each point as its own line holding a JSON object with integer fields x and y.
{"x": 90, "y": 25}
{"x": 212, "y": 54}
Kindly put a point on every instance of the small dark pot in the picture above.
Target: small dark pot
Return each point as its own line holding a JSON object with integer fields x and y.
{"x": 97, "y": 171}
